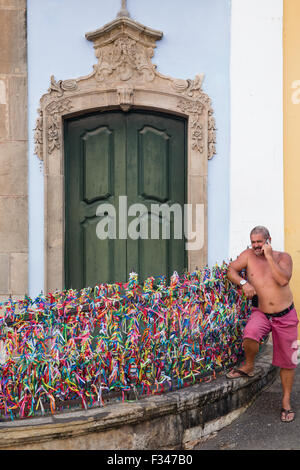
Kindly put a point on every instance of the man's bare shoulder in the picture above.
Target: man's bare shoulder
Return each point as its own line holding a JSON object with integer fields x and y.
{"x": 283, "y": 256}
{"x": 241, "y": 261}
{"x": 245, "y": 253}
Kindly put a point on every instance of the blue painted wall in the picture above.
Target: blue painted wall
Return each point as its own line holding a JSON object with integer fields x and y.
{"x": 196, "y": 39}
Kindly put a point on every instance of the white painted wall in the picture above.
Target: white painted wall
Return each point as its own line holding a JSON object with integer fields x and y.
{"x": 256, "y": 155}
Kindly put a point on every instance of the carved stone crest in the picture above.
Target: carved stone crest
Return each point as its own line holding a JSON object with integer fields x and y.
{"x": 123, "y": 60}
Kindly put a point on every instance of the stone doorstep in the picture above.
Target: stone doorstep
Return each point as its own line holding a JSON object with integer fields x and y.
{"x": 203, "y": 409}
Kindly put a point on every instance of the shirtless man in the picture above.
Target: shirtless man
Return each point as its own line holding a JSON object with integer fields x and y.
{"x": 268, "y": 276}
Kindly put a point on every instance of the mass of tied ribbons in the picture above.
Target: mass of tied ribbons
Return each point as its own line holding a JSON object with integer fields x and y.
{"x": 80, "y": 346}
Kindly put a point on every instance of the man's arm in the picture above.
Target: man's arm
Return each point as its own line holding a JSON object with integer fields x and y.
{"x": 281, "y": 270}
{"x": 235, "y": 267}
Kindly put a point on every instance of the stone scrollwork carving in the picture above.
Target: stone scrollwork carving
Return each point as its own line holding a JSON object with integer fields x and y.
{"x": 61, "y": 86}
{"x": 195, "y": 86}
{"x": 61, "y": 106}
{"x": 190, "y": 88}
{"x": 195, "y": 110}
{"x": 211, "y": 135}
{"x": 194, "y": 103}
{"x": 190, "y": 107}
{"x": 38, "y": 135}
{"x": 54, "y": 110}
{"x": 51, "y": 115}
{"x": 53, "y": 133}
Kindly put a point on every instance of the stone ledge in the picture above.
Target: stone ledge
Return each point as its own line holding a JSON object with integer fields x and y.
{"x": 175, "y": 420}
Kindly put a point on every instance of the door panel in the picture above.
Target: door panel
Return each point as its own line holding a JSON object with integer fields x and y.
{"x": 102, "y": 252}
{"x": 113, "y": 154}
{"x": 98, "y": 162}
{"x": 156, "y": 175}
{"x": 153, "y": 161}
{"x": 94, "y": 149}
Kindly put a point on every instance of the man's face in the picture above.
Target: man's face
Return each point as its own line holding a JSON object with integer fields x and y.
{"x": 257, "y": 242}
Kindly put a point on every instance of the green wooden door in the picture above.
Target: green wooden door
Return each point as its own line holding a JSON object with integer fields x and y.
{"x": 115, "y": 158}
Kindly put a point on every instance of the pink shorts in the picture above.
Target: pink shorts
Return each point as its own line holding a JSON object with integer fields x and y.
{"x": 284, "y": 333}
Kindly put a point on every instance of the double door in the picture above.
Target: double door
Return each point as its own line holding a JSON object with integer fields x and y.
{"x": 122, "y": 173}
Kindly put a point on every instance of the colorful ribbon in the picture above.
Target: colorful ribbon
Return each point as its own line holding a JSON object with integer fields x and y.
{"x": 71, "y": 347}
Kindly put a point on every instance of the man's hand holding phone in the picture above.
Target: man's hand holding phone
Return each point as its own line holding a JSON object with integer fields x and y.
{"x": 267, "y": 249}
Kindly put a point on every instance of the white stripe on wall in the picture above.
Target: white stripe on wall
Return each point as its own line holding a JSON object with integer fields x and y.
{"x": 256, "y": 169}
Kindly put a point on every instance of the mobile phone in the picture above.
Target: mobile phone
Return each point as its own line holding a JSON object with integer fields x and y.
{"x": 255, "y": 300}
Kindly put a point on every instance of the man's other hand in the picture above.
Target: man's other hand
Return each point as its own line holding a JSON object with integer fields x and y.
{"x": 248, "y": 290}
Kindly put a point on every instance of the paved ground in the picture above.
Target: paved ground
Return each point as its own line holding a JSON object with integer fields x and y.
{"x": 260, "y": 428}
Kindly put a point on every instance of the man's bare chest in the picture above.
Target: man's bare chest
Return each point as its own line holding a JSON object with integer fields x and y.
{"x": 259, "y": 271}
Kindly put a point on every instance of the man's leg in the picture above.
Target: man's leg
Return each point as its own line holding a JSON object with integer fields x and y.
{"x": 285, "y": 332}
{"x": 251, "y": 348}
{"x": 257, "y": 327}
{"x": 287, "y": 379}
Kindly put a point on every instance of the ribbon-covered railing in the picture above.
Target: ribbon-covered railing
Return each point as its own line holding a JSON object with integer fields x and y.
{"x": 125, "y": 340}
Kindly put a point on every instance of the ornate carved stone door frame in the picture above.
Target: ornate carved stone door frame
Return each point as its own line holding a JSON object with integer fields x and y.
{"x": 124, "y": 77}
